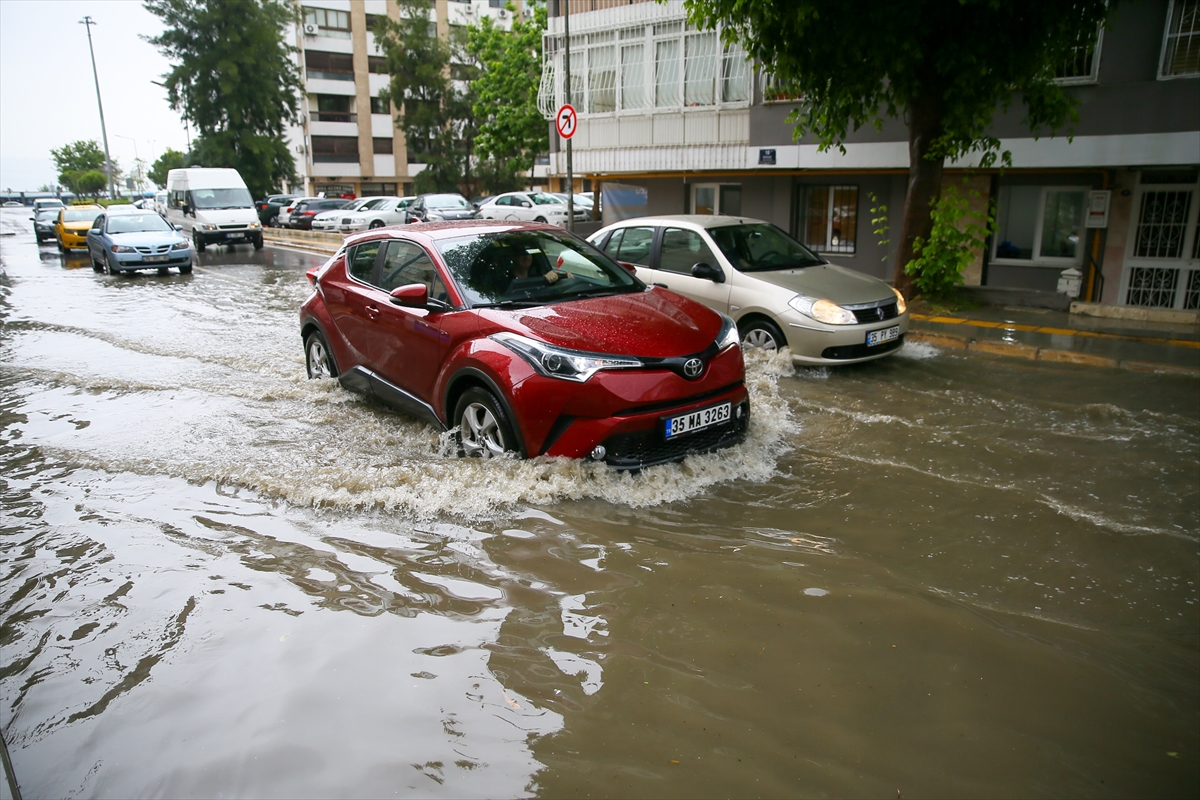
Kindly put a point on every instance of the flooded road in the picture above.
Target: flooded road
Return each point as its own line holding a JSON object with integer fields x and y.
{"x": 938, "y": 575}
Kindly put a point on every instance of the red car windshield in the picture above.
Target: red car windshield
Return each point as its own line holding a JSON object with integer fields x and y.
{"x": 530, "y": 268}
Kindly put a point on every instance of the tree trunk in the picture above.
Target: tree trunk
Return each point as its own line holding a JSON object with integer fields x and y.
{"x": 924, "y": 181}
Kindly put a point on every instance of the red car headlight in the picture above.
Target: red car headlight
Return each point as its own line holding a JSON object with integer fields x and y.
{"x": 559, "y": 362}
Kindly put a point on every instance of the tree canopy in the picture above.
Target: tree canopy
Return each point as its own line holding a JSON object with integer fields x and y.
{"x": 169, "y": 160}
{"x": 76, "y": 160}
{"x": 511, "y": 129}
{"x": 945, "y": 66}
{"x": 234, "y": 78}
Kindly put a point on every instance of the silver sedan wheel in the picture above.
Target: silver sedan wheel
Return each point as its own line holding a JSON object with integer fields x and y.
{"x": 759, "y": 337}
{"x": 480, "y": 433}
{"x": 318, "y": 359}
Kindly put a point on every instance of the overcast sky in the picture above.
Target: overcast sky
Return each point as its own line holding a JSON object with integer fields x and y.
{"x": 48, "y": 97}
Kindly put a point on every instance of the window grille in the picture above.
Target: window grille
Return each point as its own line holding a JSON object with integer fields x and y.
{"x": 700, "y": 69}
{"x": 1152, "y": 287}
{"x": 830, "y": 218}
{"x": 602, "y": 75}
{"x": 1161, "y": 224}
{"x": 1082, "y": 63}
{"x": 1181, "y": 40}
{"x": 735, "y": 75}
{"x": 666, "y": 73}
{"x": 633, "y": 76}
{"x": 1191, "y": 299}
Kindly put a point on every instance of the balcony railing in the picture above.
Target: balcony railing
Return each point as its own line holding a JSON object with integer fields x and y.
{"x": 332, "y": 116}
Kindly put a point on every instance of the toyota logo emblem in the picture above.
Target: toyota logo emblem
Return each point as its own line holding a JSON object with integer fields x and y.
{"x": 693, "y": 367}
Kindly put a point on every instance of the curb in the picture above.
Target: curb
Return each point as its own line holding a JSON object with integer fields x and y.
{"x": 1031, "y": 353}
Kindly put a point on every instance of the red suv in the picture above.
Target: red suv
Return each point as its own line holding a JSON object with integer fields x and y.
{"x": 525, "y": 338}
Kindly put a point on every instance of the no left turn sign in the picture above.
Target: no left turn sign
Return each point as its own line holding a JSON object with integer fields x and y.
{"x": 566, "y": 121}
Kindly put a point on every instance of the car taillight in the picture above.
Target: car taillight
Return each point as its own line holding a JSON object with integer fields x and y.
{"x": 312, "y": 275}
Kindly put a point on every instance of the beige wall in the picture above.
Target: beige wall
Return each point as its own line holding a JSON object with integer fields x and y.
{"x": 1120, "y": 220}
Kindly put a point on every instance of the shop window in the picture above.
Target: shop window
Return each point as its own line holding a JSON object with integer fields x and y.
{"x": 1040, "y": 224}
{"x": 1181, "y": 40}
{"x": 828, "y": 218}
{"x": 334, "y": 24}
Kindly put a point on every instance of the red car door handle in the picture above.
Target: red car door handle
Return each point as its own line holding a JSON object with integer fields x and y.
{"x": 372, "y": 311}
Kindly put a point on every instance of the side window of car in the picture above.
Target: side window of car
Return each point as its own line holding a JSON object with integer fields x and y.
{"x": 635, "y": 246}
{"x": 407, "y": 263}
{"x": 504, "y": 200}
{"x": 614, "y": 242}
{"x": 682, "y": 250}
{"x": 98, "y": 224}
{"x": 362, "y": 260}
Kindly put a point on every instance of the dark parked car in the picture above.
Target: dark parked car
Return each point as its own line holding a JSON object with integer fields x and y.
{"x": 304, "y": 211}
{"x": 440, "y": 208}
{"x": 268, "y": 207}
{"x": 524, "y": 338}
{"x": 43, "y": 223}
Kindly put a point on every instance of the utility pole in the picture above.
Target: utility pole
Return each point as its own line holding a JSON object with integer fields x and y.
{"x": 570, "y": 166}
{"x": 88, "y": 22}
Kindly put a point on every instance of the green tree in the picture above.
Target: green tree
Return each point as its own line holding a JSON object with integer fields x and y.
{"x": 956, "y": 235}
{"x": 945, "y": 66}
{"x": 169, "y": 160}
{"x": 437, "y": 117}
{"x": 233, "y": 77}
{"x": 91, "y": 181}
{"x": 512, "y": 132}
{"x": 76, "y": 159}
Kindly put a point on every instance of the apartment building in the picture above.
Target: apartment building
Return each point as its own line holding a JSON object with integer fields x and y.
{"x": 348, "y": 142}
{"x": 671, "y": 120}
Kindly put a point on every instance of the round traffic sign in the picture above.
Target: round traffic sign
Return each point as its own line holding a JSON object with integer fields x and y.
{"x": 566, "y": 121}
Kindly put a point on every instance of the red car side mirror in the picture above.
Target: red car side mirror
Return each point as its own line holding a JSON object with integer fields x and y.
{"x": 414, "y": 295}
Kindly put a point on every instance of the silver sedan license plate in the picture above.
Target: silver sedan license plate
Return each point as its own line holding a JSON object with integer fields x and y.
{"x": 695, "y": 420}
{"x": 886, "y": 335}
{"x": 155, "y": 259}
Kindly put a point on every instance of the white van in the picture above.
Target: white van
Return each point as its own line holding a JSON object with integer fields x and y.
{"x": 212, "y": 205}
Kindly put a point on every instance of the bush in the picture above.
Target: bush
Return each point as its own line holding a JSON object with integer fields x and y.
{"x": 957, "y": 232}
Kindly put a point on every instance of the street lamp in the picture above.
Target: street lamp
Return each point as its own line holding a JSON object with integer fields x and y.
{"x": 88, "y": 22}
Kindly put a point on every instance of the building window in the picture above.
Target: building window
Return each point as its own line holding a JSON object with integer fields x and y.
{"x": 1181, "y": 40}
{"x": 378, "y": 189}
{"x": 335, "y": 149}
{"x": 829, "y": 218}
{"x": 334, "y": 24}
{"x": 1082, "y": 64}
{"x": 602, "y": 74}
{"x": 633, "y": 78}
{"x": 333, "y": 108}
{"x": 374, "y": 21}
{"x": 329, "y": 66}
{"x": 735, "y": 75}
{"x": 1162, "y": 223}
{"x": 666, "y": 73}
{"x": 714, "y": 198}
{"x": 378, "y": 106}
{"x": 381, "y": 145}
{"x": 1040, "y": 224}
{"x": 377, "y": 64}
{"x": 700, "y": 69}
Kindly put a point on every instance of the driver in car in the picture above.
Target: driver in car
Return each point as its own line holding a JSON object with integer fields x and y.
{"x": 524, "y": 263}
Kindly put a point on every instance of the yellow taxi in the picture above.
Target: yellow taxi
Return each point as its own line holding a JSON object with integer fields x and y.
{"x": 73, "y": 224}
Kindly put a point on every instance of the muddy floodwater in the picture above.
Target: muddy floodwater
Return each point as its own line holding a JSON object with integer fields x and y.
{"x": 941, "y": 575}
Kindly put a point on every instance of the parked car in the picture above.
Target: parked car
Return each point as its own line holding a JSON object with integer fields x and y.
{"x": 524, "y": 338}
{"x": 285, "y": 211}
{"x": 13, "y": 204}
{"x": 392, "y": 211}
{"x": 43, "y": 223}
{"x": 780, "y": 292}
{"x": 439, "y": 207}
{"x": 160, "y": 203}
{"x": 268, "y": 208}
{"x": 302, "y": 215}
{"x": 71, "y": 227}
{"x": 127, "y": 242}
{"x": 329, "y": 220}
{"x": 529, "y": 207}
{"x": 582, "y": 200}
{"x": 47, "y": 202}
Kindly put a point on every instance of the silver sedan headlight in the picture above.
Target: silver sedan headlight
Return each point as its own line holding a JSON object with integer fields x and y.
{"x": 825, "y": 311}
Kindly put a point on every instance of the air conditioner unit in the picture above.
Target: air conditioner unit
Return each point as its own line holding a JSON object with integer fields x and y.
{"x": 310, "y": 29}
{"x": 527, "y": 11}
{"x": 503, "y": 14}
{"x": 468, "y": 10}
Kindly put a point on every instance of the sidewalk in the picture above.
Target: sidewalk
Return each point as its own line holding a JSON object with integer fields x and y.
{"x": 1046, "y": 335}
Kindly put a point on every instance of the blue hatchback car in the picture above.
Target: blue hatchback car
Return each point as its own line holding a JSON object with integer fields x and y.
{"x": 127, "y": 242}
